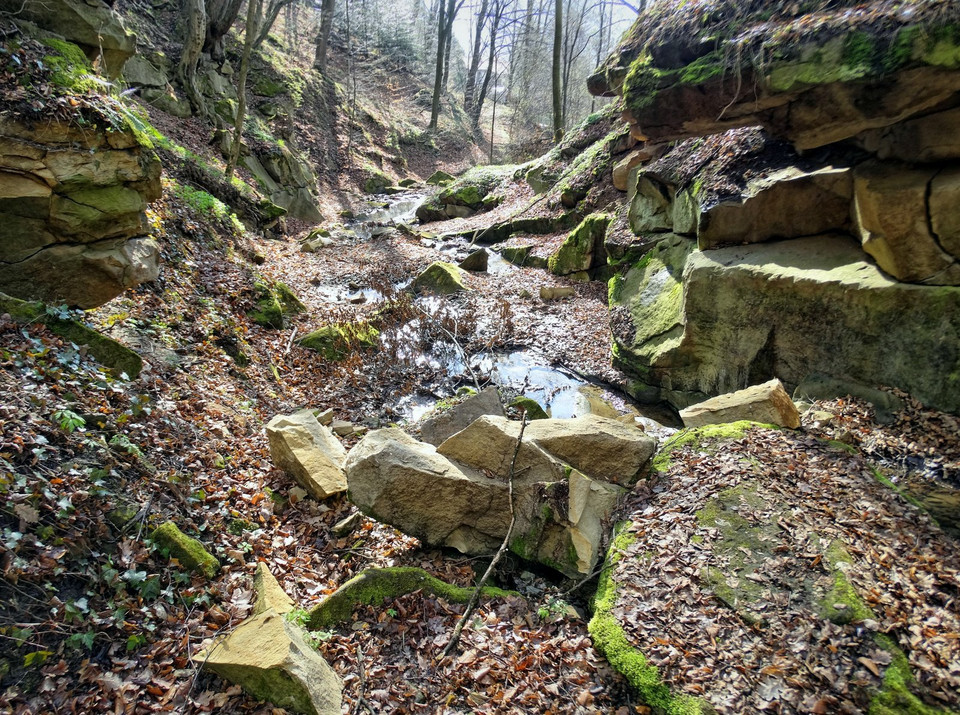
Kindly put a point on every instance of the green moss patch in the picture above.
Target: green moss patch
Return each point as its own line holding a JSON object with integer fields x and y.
{"x": 441, "y": 278}
{"x": 336, "y": 342}
{"x": 531, "y": 408}
{"x": 582, "y": 249}
{"x": 72, "y": 70}
{"x": 188, "y": 551}
{"x": 611, "y": 640}
{"x": 373, "y": 587}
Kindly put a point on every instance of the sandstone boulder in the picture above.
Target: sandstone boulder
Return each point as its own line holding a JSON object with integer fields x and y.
{"x": 458, "y": 495}
{"x": 270, "y": 594}
{"x": 768, "y": 403}
{"x": 91, "y": 24}
{"x": 600, "y": 447}
{"x": 441, "y": 278}
{"x": 692, "y": 324}
{"x": 621, "y": 171}
{"x": 405, "y": 483}
{"x": 308, "y": 452}
{"x": 269, "y": 658}
{"x": 437, "y": 428}
{"x": 897, "y": 214}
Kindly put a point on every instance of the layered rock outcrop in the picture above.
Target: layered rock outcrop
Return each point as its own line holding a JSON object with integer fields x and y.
{"x": 72, "y": 222}
{"x": 755, "y": 257}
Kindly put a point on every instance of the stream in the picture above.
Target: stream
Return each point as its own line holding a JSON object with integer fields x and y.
{"x": 561, "y": 392}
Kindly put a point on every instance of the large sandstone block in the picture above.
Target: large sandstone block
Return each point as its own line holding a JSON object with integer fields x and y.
{"x": 893, "y": 215}
{"x": 438, "y": 428}
{"x": 604, "y": 449}
{"x": 768, "y": 403}
{"x": 269, "y": 658}
{"x": 308, "y": 452}
{"x": 72, "y": 222}
{"x": 690, "y": 324}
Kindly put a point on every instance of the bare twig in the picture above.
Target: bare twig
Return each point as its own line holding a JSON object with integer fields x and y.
{"x": 475, "y": 598}
{"x": 458, "y": 346}
{"x": 362, "y": 701}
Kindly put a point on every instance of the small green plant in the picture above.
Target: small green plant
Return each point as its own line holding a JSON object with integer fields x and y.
{"x": 68, "y": 420}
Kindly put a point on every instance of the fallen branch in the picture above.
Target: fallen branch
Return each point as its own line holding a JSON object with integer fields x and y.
{"x": 475, "y": 598}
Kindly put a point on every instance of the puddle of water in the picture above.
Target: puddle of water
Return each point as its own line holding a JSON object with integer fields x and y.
{"x": 563, "y": 395}
{"x": 342, "y": 294}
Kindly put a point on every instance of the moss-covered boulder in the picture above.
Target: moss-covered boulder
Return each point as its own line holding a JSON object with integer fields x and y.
{"x": 440, "y": 278}
{"x": 336, "y": 342}
{"x": 440, "y": 178}
{"x": 583, "y": 250}
{"x": 373, "y": 587}
{"x": 472, "y": 188}
{"x": 523, "y": 256}
{"x": 689, "y": 324}
{"x": 376, "y": 182}
{"x": 189, "y": 552}
{"x": 274, "y": 301}
{"x": 530, "y": 408}
{"x": 737, "y": 540}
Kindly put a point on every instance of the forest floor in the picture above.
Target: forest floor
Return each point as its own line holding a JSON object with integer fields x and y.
{"x": 96, "y": 619}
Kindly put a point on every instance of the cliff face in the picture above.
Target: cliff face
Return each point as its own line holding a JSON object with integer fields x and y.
{"x": 72, "y": 222}
{"x": 827, "y": 241}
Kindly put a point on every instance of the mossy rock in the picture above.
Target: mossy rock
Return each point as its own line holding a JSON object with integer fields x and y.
{"x": 274, "y": 302}
{"x": 117, "y": 358}
{"x": 440, "y": 178}
{"x": 473, "y": 187}
{"x": 71, "y": 70}
{"x": 336, "y": 342}
{"x": 407, "y": 183}
{"x": 185, "y": 549}
{"x": 531, "y": 408}
{"x": 440, "y": 278}
{"x": 373, "y": 587}
{"x": 264, "y": 86}
{"x": 522, "y": 256}
{"x": 376, "y": 182}
{"x": 611, "y": 640}
{"x": 582, "y": 249}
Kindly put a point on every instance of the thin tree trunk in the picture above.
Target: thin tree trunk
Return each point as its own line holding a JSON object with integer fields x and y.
{"x": 469, "y": 90}
{"x": 273, "y": 12}
{"x": 494, "y": 27}
{"x": 323, "y": 36}
{"x": 195, "y": 21}
{"x": 254, "y": 11}
{"x": 557, "y": 88}
{"x": 438, "y": 78}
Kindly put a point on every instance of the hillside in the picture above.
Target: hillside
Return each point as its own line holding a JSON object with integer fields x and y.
{"x": 262, "y": 435}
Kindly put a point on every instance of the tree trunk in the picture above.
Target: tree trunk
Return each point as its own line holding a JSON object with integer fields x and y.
{"x": 557, "y": 88}
{"x": 323, "y": 37}
{"x": 491, "y": 59}
{"x": 195, "y": 30}
{"x": 254, "y": 11}
{"x": 469, "y": 90}
{"x": 438, "y": 78}
{"x": 453, "y": 7}
{"x": 273, "y": 12}
{"x": 221, "y": 14}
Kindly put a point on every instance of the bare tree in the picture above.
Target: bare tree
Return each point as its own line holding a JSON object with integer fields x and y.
{"x": 254, "y": 20}
{"x": 557, "y": 57}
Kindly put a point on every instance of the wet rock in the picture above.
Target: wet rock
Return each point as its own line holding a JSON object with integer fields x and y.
{"x": 308, "y": 452}
{"x": 441, "y": 278}
{"x": 532, "y": 410}
{"x": 448, "y": 422}
{"x": 336, "y": 342}
{"x": 476, "y": 261}
{"x": 767, "y": 403}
